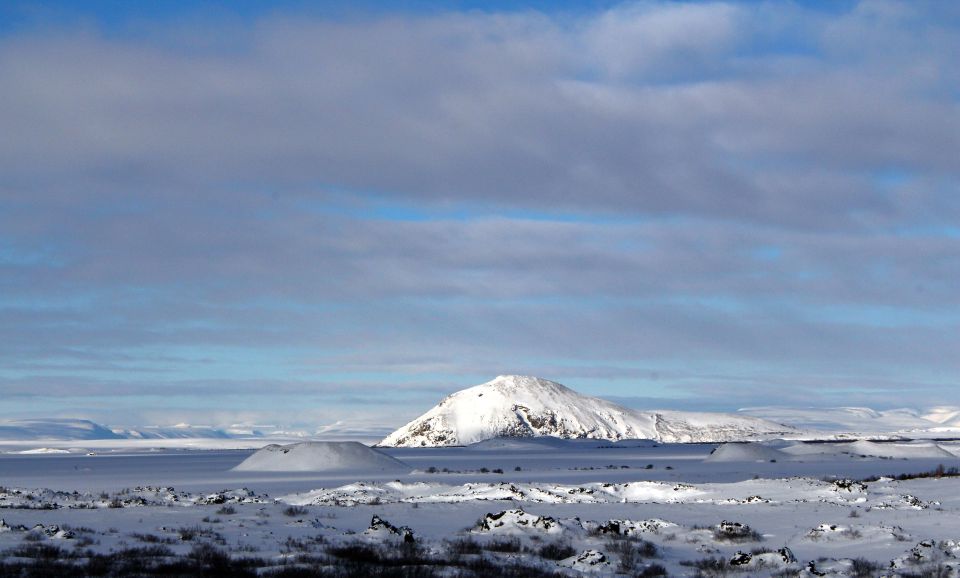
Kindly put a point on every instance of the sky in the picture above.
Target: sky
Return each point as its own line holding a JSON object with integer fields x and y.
{"x": 333, "y": 214}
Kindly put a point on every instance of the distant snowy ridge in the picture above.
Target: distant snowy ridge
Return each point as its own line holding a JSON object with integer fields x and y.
{"x": 54, "y": 429}
{"x": 179, "y": 431}
{"x": 69, "y": 429}
{"x": 526, "y": 407}
{"x": 861, "y": 420}
{"x": 522, "y": 406}
{"x": 82, "y": 429}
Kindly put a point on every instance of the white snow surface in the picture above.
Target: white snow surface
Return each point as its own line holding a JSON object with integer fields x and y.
{"x": 522, "y": 406}
{"x": 595, "y": 498}
{"x": 322, "y": 457}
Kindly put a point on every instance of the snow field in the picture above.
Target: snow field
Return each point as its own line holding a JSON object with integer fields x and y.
{"x": 575, "y": 507}
{"x": 754, "y": 527}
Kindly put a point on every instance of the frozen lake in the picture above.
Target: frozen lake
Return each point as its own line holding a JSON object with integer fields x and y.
{"x": 574, "y": 462}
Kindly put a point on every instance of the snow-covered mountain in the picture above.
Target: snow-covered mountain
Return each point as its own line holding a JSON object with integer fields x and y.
{"x": 520, "y": 406}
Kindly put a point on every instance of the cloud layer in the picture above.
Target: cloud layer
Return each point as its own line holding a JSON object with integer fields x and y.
{"x": 683, "y": 201}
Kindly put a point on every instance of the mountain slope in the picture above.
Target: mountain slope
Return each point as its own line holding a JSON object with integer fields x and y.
{"x": 519, "y": 406}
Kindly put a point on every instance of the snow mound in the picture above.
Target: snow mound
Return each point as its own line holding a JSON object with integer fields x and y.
{"x": 929, "y": 551}
{"x": 524, "y": 407}
{"x": 517, "y": 521}
{"x": 384, "y": 530}
{"x": 825, "y": 530}
{"x": 587, "y": 561}
{"x": 322, "y": 457}
{"x": 44, "y": 451}
{"x": 782, "y": 558}
{"x": 746, "y": 452}
{"x": 53, "y": 531}
{"x": 632, "y": 527}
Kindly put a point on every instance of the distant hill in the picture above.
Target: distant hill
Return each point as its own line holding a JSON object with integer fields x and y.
{"x": 54, "y": 429}
{"x": 82, "y": 429}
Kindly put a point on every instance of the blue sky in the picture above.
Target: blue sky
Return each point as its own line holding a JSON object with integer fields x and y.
{"x": 118, "y": 15}
{"x": 300, "y": 213}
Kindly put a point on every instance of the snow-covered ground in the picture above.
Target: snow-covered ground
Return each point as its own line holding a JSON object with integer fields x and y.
{"x": 78, "y": 497}
{"x": 550, "y": 506}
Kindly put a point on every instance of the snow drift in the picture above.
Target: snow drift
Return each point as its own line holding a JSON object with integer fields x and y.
{"x": 519, "y": 406}
{"x": 322, "y": 457}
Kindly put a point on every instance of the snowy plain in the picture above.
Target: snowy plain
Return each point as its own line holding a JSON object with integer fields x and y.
{"x": 572, "y": 507}
{"x": 505, "y": 478}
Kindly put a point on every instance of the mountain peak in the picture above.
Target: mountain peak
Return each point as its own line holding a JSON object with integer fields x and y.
{"x": 510, "y": 377}
{"x": 524, "y": 383}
